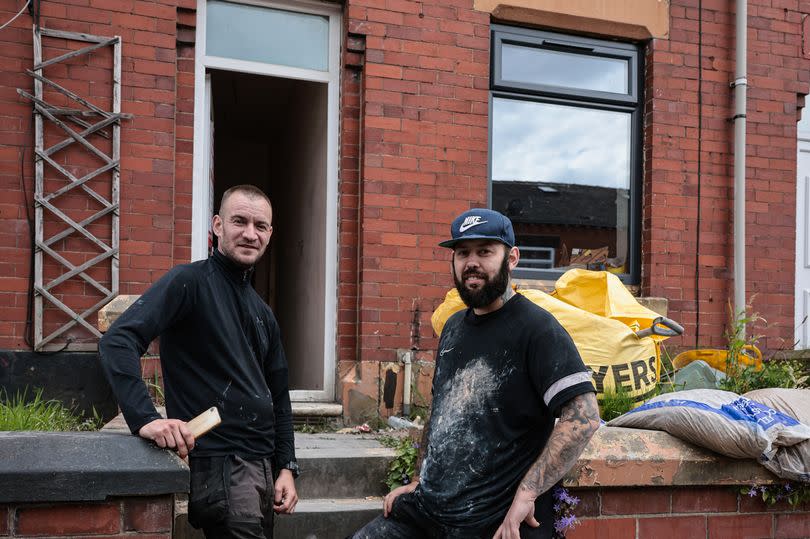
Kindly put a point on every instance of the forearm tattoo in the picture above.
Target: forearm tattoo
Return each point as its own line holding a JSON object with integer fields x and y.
{"x": 579, "y": 419}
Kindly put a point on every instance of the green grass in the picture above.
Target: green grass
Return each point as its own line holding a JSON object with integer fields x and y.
{"x": 614, "y": 403}
{"x": 19, "y": 413}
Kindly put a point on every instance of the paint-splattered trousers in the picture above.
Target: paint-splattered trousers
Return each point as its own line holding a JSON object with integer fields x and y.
{"x": 409, "y": 520}
{"x": 231, "y": 498}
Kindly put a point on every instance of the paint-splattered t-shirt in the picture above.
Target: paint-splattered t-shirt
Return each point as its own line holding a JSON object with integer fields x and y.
{"x": 500, "y": 381}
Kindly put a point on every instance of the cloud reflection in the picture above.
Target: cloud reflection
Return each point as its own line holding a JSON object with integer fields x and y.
{"x": 557, "y": 143}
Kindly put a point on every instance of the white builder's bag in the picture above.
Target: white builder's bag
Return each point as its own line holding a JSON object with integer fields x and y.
{"x": 789, "y": 462}
{"x": 722, "y": 421}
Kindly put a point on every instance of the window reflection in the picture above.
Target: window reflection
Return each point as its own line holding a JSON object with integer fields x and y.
{"x": 272, "y": 36}
{"x": 557, "y": 68}
{"x": 562, "y": 175}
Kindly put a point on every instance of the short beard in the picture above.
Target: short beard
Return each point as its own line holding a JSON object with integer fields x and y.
{"x": 489, "y": 292}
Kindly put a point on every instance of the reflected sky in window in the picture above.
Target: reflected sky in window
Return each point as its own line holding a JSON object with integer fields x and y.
{"x": 556, "y": 68}
{"x": 271, "y": 36}
{"x": 542, "y": 142}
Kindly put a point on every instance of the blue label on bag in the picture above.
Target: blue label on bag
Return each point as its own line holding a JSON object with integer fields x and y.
{"x": 742, "y": 409}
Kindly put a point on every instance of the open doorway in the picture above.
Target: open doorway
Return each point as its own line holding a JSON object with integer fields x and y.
{"x": 272, "y": 132}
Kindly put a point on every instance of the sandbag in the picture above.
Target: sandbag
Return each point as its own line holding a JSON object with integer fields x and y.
{"x": 722, "y": 421}
{"x": 791, "y": 462}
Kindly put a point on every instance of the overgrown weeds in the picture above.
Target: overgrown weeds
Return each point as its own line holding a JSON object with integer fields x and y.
{"x": 402, "y": 468}
{"x": 19, "y": 413}
{"x": 741, "y": 376}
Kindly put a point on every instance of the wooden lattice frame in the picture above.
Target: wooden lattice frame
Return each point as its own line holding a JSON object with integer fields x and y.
{"x": 94, "y": 120}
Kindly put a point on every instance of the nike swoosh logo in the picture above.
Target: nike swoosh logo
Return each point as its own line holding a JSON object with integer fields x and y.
{"x": 464, "y": 228}
{"x": 443, "y": 352}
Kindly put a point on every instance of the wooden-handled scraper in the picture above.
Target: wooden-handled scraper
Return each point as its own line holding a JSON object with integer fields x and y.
{"x": 204, "y": 422}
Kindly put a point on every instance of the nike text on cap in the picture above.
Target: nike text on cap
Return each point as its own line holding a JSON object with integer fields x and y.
{"x": 481, "y": 224}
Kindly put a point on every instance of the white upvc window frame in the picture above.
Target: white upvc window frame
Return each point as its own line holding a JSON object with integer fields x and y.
{"x": 200, "y": 191}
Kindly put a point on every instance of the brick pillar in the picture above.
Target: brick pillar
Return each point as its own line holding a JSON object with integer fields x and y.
{"x": 423, "y": 139}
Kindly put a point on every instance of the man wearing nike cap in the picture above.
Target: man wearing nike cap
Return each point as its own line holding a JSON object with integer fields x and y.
{"x": 505, "y": 370}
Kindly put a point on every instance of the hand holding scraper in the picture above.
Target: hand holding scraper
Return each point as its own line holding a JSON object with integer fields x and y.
{"x": 179, "y": 435}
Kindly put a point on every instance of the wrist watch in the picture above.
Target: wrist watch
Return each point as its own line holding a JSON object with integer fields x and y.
{"x": 293, "y": 467}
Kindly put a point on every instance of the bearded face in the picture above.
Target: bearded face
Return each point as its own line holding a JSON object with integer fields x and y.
{"x": 479, "y": 279}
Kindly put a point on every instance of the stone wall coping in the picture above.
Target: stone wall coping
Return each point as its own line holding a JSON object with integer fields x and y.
{"x": 625, "y": 457}
{"x": 85, "y": 466}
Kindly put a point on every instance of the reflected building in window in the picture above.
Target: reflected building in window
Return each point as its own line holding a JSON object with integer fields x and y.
{"x": 565, "y": 150}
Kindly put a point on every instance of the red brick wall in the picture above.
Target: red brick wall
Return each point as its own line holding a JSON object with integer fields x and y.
{"x": 710, "y": 512}
{"x": 423, "y": 134}
{"x": 777, "y": 77}
{"x": 157, "y": 88}
{"x": 414, "y": 100}
{"x": 123, "y": 517}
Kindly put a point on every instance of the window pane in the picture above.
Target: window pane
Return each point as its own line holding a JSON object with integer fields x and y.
{"x": 562, "y": 175}
{"x": 570, "y": 70}
{"x": 267, "y": 35}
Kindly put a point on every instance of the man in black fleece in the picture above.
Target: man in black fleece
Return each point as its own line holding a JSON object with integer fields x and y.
{"x": 219, "y": 346}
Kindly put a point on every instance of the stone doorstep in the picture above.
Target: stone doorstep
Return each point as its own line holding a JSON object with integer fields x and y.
{"x": 317, "y": 409}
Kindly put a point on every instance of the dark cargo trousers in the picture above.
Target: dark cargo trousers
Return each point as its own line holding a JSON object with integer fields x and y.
{"x": 231, "y": 498}
{"x": 408, "y": 519}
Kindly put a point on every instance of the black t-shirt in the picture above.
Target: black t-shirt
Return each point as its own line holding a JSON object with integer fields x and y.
{"x": 220, "y": 345}
{"x": 500, "y": 381}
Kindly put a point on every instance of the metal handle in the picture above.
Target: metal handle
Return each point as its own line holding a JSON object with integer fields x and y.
{"x": 662, "y": 326}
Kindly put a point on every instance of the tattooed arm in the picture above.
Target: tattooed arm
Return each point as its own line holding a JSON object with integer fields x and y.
{"x": 388, "y": 502}
{"x": 579, "y": 419}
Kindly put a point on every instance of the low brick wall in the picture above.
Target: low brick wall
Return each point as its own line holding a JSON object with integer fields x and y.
{"x": 684, "y": 512}
{"x": 639, "y": 484}
{"x": 87, "y": 484}
{"x": 117, "y": 517}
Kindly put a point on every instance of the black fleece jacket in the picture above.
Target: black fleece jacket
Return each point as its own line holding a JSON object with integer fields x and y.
{"x": 219, "y": 346}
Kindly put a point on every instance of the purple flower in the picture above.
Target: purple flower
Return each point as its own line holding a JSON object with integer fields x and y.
{"x": 563, "y": 496}
{"x": 564, "y": 523}
{"x": 752, "y": 492}
{"x": 788, "y": 488}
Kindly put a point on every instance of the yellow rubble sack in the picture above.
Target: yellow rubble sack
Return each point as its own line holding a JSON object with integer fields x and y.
{"x": 602, "y": 293}
{"x": 608, "y": 346}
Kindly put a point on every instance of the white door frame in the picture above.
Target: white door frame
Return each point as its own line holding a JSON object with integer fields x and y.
{"x": 200, "y": 192}
{"x": 802, "y": 293}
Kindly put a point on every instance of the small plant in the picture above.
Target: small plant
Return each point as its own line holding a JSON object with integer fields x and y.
{"x": 19, "y": 413}
{"x": 402, "y": 468}
{"x": 741, "y": 377}
{"x": 791, "y": 492}
{"x": 564, "y": 517}
{"x": 738, "y": 341}
{"x": 615, "y": 402}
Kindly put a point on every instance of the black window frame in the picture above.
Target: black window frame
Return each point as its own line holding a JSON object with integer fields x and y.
{"x": 631, "y": 102}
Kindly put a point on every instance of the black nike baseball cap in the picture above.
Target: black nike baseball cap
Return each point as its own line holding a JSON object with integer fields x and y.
{"x": 481, "y": 224}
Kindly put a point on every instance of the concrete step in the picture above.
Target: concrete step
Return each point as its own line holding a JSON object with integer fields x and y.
{"x": 341, "y": 466}
{"x": 327, "y": 518}
{"x": 340, "y": 488}
{"x": 317, "y": 409}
